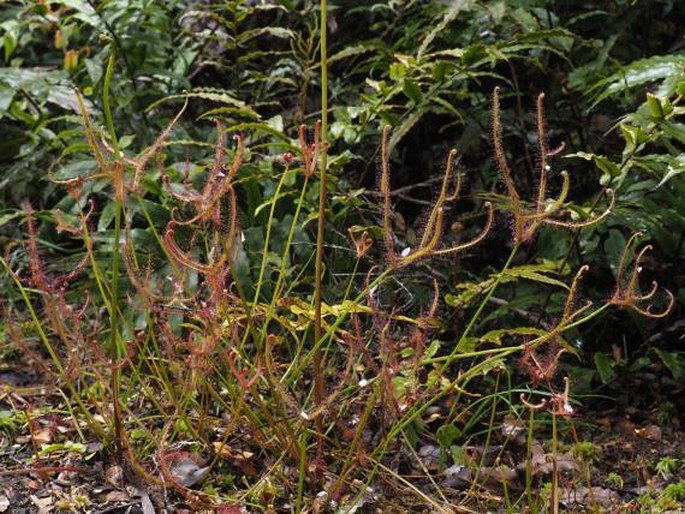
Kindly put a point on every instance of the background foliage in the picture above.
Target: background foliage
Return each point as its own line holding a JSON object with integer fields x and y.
{"x": 426, "y": 68}
{"x": 614, "y": 78}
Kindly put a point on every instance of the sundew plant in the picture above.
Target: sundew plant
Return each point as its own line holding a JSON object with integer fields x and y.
{"x": 234, "y": 331}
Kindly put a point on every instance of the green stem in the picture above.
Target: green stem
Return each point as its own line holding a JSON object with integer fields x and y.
{"x": 555, "y": 478}
{"x": 116, "y": 254}
{"x": 529, "y": 461}
{"x": 267, "y": 237}
{"x": 319, "y": 386}
{"x": 117, "y": 176}
{"x": 302, "y": 471}
{"x": 286, "y": 253}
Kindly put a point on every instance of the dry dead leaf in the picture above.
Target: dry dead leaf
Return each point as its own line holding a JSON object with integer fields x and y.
{"x": 187, "y": 471}
{"x": 117, "y": 496}
{"x": 226, "y": 452}
{"x": 33, "y": 484}
{"x": 596, "y": 496}
{"x": 651, "y": 432}
{"x": 430, "y": 456}
{"x": 115, "y": 476}
{"x": 512, "y": 427}
{"x": 229, "y": 509}
{"x": 145, "y": 501}
{"x": 500, "y": 474}
{"x": 604, "y": 423}
{"x": 543, "y": 463}
{"x": 44, "y": 504}
{"x": 457, "y": 477}
{"x": 4, "y": 503}
{"x": 626, "y": 427}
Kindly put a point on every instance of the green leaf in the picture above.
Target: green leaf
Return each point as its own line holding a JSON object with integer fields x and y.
{"x": 7, "y": 217}
{"x": 676, "y": 167}
{"x": 211, "y": 94}
{"x": 468, "y": 294}
{"x": 6, "y": 97}
{"x": 495, "y": 336}
{"x": 9, "y": 41}
{"x": 279, "y": 32}
{"x": 412, "y": 90}
{"x": 656, "y": 110}
{"x": 605, "y": 367}
{"x": 450, "y": 52}
{"x": 467, "y": 345}
{"x": 673, "y": 361}
{"x": 244, "y": 112}
{"x": 459, "y": 456}
{"x": 397, "y": 71}
{"x": 351, "y": 51}
{"x": 54, "y": 86}
{"x": 536, "y": 273}
{"x": 75, "y": 169}
{"x": 107, "y": 216}
{"x": 614, "y": 245}
{"x": 610, "y": 169}
{"x": 407, "y": 124}
{"x": 637, "y": 73}
{"x": 432, "y": 349}
{"x": 84, "y": 11}
{"x": 452, "y": 12}
{"x": 674, "y": 130}
{"x": 447, "y": 434}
